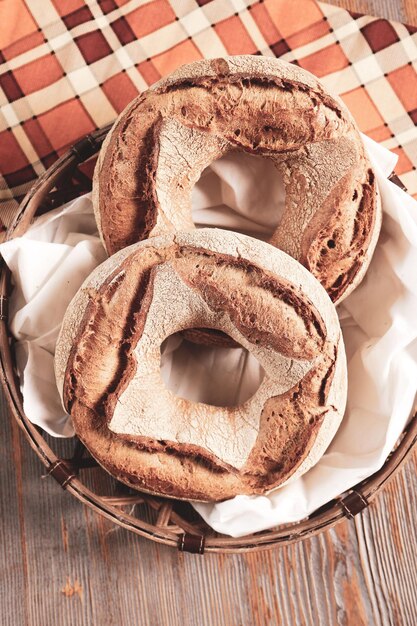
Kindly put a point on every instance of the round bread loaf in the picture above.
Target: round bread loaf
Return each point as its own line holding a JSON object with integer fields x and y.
{"x": 108, "y": 358}
{"x": 164, "y": 139}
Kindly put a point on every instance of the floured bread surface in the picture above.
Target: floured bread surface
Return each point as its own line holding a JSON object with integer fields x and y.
{"x": 108, "y": 365}
{"x": 165, "y": 138}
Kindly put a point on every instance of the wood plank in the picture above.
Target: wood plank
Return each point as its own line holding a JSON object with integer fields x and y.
{"x": 400, "y": 10}
{"x": 13, "y": 556}
{"x": 410, "y": 11}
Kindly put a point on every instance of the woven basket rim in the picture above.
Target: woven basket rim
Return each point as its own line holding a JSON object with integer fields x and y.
{"x": 111, "y": 507}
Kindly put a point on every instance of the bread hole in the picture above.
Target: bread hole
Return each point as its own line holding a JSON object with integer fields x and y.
{"x": 214, "y": 375}
{"x": 241, "y": 192}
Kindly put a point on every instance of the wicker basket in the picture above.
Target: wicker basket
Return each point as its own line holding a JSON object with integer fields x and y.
{"x": 165, "y": 521}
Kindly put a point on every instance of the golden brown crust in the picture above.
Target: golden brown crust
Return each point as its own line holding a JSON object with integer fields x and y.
{"x": 168, "y": 135}
{"x": 212, "y": 279}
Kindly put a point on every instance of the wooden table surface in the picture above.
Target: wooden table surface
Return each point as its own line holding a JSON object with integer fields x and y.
{"x": 60, "y": 564}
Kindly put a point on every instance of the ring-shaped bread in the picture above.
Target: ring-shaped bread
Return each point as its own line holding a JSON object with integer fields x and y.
{"x": 109, "y": 352}
{"x": 163, "y": 140}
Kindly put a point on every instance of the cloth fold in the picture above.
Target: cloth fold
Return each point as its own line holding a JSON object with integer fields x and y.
{"x": 243, "y": 193}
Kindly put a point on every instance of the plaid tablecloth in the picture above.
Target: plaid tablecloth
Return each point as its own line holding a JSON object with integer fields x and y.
{"x": 68, "y": 67}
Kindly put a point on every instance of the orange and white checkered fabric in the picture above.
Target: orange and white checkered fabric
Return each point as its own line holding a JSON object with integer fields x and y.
{"x": 68, "y": 67}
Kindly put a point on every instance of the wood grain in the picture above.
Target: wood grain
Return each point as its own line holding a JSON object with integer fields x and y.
{"x": 401, "y": 10}
{"x": 62, "y": 565}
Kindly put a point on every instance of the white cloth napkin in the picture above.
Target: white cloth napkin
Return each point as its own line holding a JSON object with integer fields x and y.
{"x": 242, "y": 193}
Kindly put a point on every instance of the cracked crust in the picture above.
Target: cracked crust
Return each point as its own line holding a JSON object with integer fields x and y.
{"x": 164, "y": 139}
{"x": 107, "y": 366}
